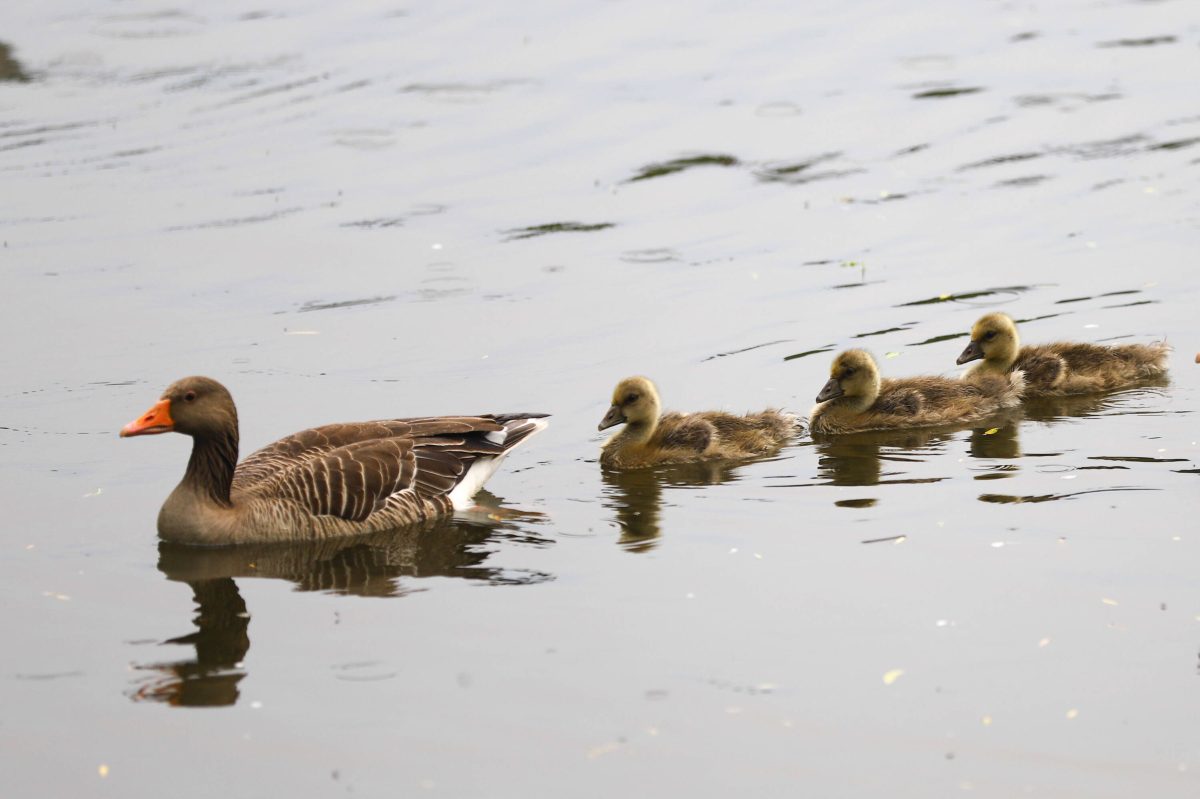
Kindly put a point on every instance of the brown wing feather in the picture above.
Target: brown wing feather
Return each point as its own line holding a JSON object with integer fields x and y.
{"x": 438, "y": 471}
{"x": 727, "y": 425}
{"x": 349, "y": 482}
{"x": 266, "y": 463}
{"x": 686, "y": 432}
{"x": 898, "y": 400}
{"x": 350, "y": 470}
{"x": 1043, "y": 368}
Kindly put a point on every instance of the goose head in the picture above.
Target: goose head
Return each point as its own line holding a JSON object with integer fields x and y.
{"x": 854, "y": 376}
{"x": 195, "y": 406}
{"x": 634, "y": 401}
{"x": 994, "y": 339}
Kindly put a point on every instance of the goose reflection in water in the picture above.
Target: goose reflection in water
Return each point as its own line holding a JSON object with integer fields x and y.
{"x": 635, "y": 496}
{"x": 380, "y": 565}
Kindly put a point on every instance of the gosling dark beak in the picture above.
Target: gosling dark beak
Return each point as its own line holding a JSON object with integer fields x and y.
{"x": 832, "y": 390}
{"x": 612, "y": 418}
{"x": 973, "y": 352}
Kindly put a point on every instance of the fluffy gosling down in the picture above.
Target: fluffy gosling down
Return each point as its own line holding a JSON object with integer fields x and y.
{"x": 653, "y": 438}
{"x": 1062, "y": 367}
{"x": 856, "y": 399}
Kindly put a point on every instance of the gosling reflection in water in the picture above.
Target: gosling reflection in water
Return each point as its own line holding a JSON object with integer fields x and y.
{"x": 1000, "y": 442}
{"x": 372, "y": 566}
{"x": 635, "y": 496}
{"x": 859, "y": 459}
{"x": 1052, "y": 409}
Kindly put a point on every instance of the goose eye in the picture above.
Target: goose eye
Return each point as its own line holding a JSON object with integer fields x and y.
{"x": 188, "y": 397}
{"x": 632, "y": 398}
{"x": 988, "y": 336}
{"x": 847, "y": 372}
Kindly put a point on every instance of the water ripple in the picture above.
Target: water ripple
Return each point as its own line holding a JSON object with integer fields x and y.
{"x": 534, "y": 231}
{"x": 658, "y": 255}
{"x": 675, "y": 165}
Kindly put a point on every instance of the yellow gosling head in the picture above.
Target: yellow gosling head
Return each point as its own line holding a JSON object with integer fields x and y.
{"x": 853, "y": 376}
{"x": 634, "y": 401}
{"x": 994, "y": 339}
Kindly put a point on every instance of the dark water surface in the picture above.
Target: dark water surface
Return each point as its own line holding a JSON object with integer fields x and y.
{"x": 361, "y": 209}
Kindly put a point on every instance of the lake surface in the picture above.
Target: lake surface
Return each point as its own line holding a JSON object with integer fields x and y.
{"x": 360, "y": 210}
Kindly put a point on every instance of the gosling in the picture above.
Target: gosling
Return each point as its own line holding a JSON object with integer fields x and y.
{"x": 1061, "y": 368}
{"x": 652, "y": 438}
{"x": 856, "y": 399}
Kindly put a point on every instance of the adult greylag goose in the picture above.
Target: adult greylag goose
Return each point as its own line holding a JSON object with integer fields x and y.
{"x": 855, "y": 398}
{"x": 1063, "y": 367}
{"x": 336, "y": 480}
{"x": 653, "y": 438}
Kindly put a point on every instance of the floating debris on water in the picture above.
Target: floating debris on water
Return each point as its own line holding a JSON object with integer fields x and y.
{"x": 602, "y": 749}
{"x": 896, "y": 538}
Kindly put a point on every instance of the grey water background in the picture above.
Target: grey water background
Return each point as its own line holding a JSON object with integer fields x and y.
{"x": 367, "y": 209}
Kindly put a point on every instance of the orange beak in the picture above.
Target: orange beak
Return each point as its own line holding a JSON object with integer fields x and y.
{"x": 156, "y": 420}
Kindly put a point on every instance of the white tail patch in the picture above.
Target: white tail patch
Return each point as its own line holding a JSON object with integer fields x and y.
{"x": 483, "y": 468}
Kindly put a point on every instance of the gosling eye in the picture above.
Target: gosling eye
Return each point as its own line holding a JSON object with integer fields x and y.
{"x": 188, "y": 397}
{"x": 988, "y": 336}
{"x": 632, "y": 398}
{"x": 849, "y": 370}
